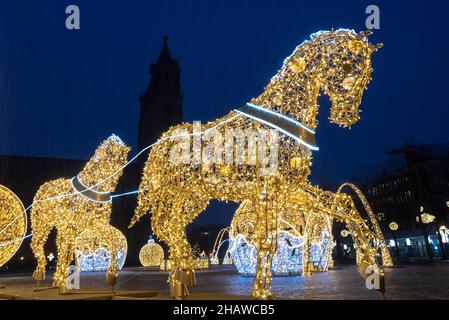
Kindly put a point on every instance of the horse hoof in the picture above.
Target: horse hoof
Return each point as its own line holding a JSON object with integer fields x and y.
{"x": 63, "y": 290}
{"x": 266, "y": 295}
{"x": 111, "y": 278}
{"x": 39, "y": 275}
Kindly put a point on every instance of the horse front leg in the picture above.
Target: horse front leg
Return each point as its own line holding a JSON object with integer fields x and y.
{"x": 65, "y": 250}
{"x": 37, "y": 245}
{"x": 182, "y": 273}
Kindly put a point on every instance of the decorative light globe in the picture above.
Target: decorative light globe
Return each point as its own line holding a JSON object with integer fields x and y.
{"x": 13, "y": 224}
{"x": 151, "y": 254}
{"x": 92, "y": 251}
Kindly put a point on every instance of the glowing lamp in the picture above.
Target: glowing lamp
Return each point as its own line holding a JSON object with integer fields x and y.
{"x": 393, "y": 226}
{"x": 151, "y": 254}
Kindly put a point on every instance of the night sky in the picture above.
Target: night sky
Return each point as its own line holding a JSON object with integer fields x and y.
{"x": 62, "y": 92}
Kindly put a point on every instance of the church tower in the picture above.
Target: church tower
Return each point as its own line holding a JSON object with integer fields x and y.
{"x": 161, "y": 102}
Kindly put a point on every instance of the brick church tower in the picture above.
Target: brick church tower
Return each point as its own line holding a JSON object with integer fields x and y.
{"x": 161, "y": 102}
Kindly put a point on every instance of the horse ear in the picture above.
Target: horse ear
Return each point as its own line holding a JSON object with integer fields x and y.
{"x": 364, "y": 34}
{"x": 375, "y": 47}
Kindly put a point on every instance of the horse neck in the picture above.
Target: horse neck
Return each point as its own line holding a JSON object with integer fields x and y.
{"x": 296, "y": 98}
{"x": 103, "y": 184}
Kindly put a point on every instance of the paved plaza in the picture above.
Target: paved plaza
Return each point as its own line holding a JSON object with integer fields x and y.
{"x": 223, "y": 282}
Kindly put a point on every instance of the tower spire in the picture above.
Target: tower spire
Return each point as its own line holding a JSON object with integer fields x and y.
{"x": 165, "y": 53}
{"x": 161, "y": 102}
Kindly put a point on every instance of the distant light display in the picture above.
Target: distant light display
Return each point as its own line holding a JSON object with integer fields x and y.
{"x": 151, "y": 254}
{"x": 93, "y": 252}
{"x": 200, "y": 263}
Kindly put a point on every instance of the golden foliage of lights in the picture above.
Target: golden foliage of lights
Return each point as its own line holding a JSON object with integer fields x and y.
{"x": 101, "y": 239}
{"x": 13, "y": 224}
{"x": 69, "y": 205}
{"x": 336, "y": 62}
{"x": 151, "y": 254}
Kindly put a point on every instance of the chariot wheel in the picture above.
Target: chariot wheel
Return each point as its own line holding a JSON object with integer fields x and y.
{"x": 13, "y": 224}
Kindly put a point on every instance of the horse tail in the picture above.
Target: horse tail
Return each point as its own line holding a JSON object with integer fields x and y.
{"x": 143, "y": 199}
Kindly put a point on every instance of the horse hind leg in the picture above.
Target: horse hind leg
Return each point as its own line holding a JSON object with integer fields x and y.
{"x": 37, "y": 245}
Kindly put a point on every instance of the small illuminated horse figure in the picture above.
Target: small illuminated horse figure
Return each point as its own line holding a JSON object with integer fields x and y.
{"x": 75, "y": 205}
{"x": 335, "y": 62}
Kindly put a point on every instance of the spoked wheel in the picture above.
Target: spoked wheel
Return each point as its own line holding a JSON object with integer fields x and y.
{"x": 13, "y": 224}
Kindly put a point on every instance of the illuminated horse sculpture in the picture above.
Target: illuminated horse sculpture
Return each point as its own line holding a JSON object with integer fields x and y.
{"x": 336, "y": 62}
{"x": 308, "y": 216}
{"x": 75, "y": 205}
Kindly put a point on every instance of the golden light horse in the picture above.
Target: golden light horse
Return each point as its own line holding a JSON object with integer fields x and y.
{"x": 75, "y": 205}
{"x": 335, "y": 62}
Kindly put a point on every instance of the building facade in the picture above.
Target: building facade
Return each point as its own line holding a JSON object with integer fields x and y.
{"x": 420, "y": 185}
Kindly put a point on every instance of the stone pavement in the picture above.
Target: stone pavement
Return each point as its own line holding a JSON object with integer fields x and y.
{"x": 222, "y": 282}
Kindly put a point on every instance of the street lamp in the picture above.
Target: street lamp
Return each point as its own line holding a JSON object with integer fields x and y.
{"x": 424, "y": 220}
{"x": 444, "y": 232}
{"x": 394, "y": 226}
{"x": 344, "y": 233}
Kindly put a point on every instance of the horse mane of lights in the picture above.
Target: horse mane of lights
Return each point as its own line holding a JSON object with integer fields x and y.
{"x": 93, "y": 252}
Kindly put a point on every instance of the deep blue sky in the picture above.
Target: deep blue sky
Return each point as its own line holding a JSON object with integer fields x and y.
{"x": 62, "y": 92}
